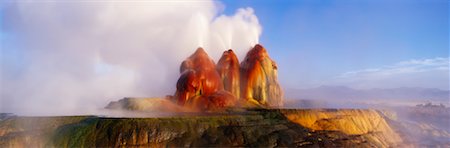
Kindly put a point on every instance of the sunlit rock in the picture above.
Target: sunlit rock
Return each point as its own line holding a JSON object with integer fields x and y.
{"x": 259, "y": 83}
{"x": 253, "y": 82}
{"x": 367, "y": 123}
{"x": 228, "y": 68}
{"x": 252, "y": 128}
{"x": 200, "y": 87}
{"x": 144, "y": 104}
{"x": 198, "y": 61}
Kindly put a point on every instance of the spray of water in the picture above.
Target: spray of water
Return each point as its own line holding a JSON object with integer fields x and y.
{"x": 62, "y": 58}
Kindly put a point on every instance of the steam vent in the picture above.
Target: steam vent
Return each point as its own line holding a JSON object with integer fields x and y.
{"x": 205, "y": 86}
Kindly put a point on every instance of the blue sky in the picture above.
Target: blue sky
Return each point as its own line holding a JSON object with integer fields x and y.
{"x": 315, "y": 41}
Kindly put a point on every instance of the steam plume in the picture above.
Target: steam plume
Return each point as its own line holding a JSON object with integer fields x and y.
{"x": 74, "y": 57}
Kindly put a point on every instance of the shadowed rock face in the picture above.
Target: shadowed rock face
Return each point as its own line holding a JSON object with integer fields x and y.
{"x": 214, "y": 102}
{"x": 228, "y": 68}
{"x": 187, "y": 86}
{"x": 221, "y": 99}
{"x": 259, "y": 84}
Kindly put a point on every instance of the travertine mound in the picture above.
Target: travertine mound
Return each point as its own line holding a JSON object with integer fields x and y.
{"x": 259, "y": 83}
{"x": 203, "y": 86}
{"x": 145, "y": 104}
{"x": 368, "y": 123}
{"x": 252, "y": 128}
{"x": 200, "y": 86}
{"x": 228, "y": 68}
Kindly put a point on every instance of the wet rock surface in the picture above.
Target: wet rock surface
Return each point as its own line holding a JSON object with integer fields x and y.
{"x": 259, "y": 79}
{"x": 198, "y": 78}
{"x": 228, "y": 68}
{"x": 252, "y": 83}
{"x": 257, "y": 127}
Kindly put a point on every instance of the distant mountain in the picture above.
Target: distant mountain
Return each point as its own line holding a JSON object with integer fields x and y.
{"x": 337, "y": 93}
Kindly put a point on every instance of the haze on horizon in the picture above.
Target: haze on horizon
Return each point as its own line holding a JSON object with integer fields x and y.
{"x": 56, "y": 56}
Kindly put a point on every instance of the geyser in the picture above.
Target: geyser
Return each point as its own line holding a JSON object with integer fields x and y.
{"x": 205, "y": 86}
{"x": 259, "y": 79}
{"x": 228, "y": 68}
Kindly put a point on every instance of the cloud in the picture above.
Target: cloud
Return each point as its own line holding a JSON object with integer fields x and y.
{"x": 433, "y": 73}
{"x": 74, "y": 57}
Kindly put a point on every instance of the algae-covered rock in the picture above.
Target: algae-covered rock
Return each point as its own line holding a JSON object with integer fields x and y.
{"x": 251, "y": 128}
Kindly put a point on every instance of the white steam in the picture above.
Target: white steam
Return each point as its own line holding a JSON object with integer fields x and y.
{"x": 75, "y": 57}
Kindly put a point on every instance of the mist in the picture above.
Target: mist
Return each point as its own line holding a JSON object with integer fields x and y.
{"x": 67, "y": 58}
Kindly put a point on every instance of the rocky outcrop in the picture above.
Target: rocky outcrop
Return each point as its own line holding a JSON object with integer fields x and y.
{"x": 251, "y": 128}
{"x": 198, "y": 77}
{"x": 253, "y": 83}
{"x": 200, "y": 86}
{"x": 367, "y": 123}
{"x": 145, "y": 104}
{"x": 228, "y": 68}
{"x": 259, "y": 83}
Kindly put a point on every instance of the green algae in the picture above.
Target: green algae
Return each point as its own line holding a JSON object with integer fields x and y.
{"x": 250, "y": 128}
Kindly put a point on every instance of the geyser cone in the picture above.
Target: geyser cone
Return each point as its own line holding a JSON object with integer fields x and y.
{"x": 205, "y": 86}
{"x": 200, "y": 85}
{"x": 198, "y": 61}
{"x": 198, "y": 77}
{"x": 228, "y": 68}
{"x": 259, "y": 83}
